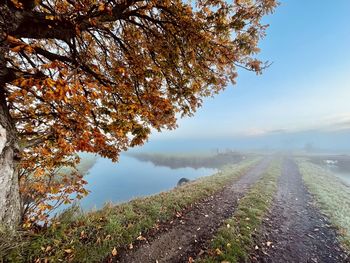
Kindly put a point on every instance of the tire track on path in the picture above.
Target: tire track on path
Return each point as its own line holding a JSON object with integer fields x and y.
{"x": 298, "y": 232}
{"x": 189, "y": 235}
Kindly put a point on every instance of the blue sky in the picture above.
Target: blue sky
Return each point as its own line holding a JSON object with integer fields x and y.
{"x": 306, "y": 88}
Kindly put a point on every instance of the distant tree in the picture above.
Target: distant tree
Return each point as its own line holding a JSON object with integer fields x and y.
{"x": 309, "y": 147}
{"x": 97, "y": 75}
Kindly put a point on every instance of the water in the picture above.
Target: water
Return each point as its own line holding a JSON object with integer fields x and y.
{"x": 130, "y": 178}
{"x": 341, "y": 174}
{"x": 345, "y": 177}
{"x": 337, "y": 165}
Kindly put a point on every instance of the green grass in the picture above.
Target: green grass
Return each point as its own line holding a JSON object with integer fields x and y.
{"x": 234, "y": 240}
{"x": 78, "y": 237}
{"x": 331, "y": 195}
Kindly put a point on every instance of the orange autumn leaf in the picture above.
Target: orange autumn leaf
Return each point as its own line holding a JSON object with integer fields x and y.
{"x": 100, "y": 77}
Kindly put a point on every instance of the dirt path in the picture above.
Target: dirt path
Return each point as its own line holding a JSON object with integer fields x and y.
{"x": 297, "y": 230}
{"x": 186, "y": 236}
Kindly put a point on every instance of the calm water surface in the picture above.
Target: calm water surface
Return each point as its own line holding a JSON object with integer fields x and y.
{"x": 130, "y": 178}
{"x": 345, "y": 177}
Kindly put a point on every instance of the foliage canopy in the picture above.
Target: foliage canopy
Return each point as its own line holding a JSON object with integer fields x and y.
{"x": 97, "y": 76}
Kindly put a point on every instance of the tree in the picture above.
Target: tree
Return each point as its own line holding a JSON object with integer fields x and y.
{"x": 98, "y": 75}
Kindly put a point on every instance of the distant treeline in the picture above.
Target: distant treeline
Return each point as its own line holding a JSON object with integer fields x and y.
{"x": 178, "y": 161}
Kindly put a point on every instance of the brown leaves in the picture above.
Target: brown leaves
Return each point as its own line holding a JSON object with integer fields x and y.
{"x": 17, "y": 3}
{"x": 218, "y": 252}
{"x": 17, "y": 45}
{"x": 68, "y": 251}
{"x": 116, "y": 76}
{"x": 141, "y": 238}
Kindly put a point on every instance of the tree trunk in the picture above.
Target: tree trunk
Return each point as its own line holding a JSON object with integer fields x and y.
{"x": 10, "y": 203}
{"x": 10, "y": 209}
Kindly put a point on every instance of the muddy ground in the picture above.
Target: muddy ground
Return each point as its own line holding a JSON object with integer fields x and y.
{"x": 294, "y": 230}
{"x": 189, "y": 234}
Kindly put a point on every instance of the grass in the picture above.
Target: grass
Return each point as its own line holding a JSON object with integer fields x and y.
{"x": 234, "y": 239}
{"x": 332, "y": 197}
{"x": 91, "y": 237}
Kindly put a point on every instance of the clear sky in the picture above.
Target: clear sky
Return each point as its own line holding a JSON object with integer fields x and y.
{"x": 307, "y": 87}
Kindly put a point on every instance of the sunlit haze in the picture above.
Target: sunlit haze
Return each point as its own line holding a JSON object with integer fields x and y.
{"x": 306, "y": 88}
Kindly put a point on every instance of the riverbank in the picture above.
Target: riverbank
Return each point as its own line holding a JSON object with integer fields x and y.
{"x": 332, "y": 197}
{"x": 91, "y": 237}
{"x": 185, "y": 237}
{"x": 258, "y": 210}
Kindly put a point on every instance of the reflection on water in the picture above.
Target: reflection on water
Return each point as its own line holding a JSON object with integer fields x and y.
{"x": 200, "y": 160}
{"x": 129, "y": 178}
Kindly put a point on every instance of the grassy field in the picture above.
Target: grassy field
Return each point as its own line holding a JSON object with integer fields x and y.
{"x": 234, "y": 239}
{"x": 78, "y": 237}
{"x": 331, "y": 195}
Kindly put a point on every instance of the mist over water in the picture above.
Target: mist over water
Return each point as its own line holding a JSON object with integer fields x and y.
{"x": 336, "y": 142}
{"x": 337, "y": 165}
{"x": 130, "y": 178}
{"x": 345, "y": 177}
{"x": 137, "y": 177}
